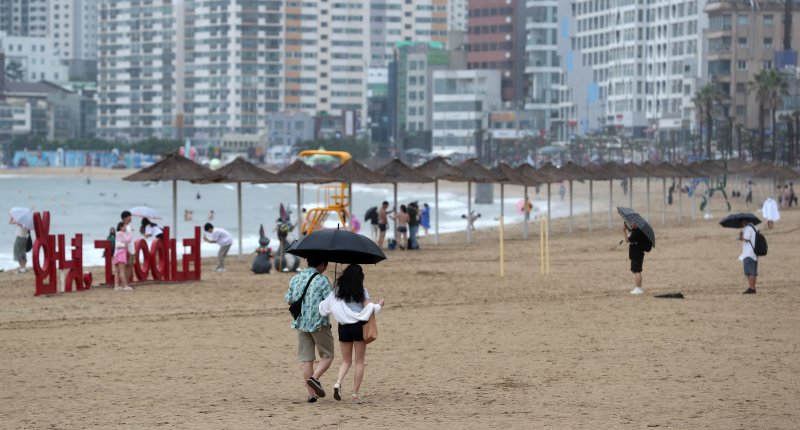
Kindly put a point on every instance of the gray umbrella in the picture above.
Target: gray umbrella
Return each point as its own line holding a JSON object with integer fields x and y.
{"x": 632, "y": 217}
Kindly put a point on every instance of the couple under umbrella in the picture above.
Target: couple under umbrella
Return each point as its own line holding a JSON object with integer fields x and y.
{"x": 312, "y": 300}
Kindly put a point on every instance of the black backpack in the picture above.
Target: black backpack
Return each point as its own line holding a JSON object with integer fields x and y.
{"x": 760, "y": 247}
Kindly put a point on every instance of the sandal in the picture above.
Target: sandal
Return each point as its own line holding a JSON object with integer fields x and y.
{"x": 311, "y": 399}
{"x": 336, "y": 395}
{"x": 356, "y": 398}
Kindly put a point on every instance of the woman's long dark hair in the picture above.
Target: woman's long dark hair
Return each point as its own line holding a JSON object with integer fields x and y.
{"x": 351, "y": 285}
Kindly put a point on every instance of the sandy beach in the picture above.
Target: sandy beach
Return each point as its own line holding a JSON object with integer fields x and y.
{"x": 459, "y": 346}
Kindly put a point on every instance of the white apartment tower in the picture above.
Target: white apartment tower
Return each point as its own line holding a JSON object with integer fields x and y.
{"x": 327, "y": 49}
{"x": 392, "y": 21}
{"x": 457, "y": 15}
{"x": 24, "y": 17}
{"x": 71, "y": 25}
{"x": 196, "y": 69}
{"x": 646, "y": 58}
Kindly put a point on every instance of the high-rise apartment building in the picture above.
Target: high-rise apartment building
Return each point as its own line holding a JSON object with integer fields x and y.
{"x": 199, "y": 69}
{"x": 24, "y": 17}
{"x": 327, "y": 54}
{"x": 743, "y": 38}
{"x": 393, "y": 21}
{"x": 646, "y": 58}
{"x": 496, "y": 41}
{"x": 457, "y": 15}
{"x": 71, "y": 24}
{"x": 543, "y": 67}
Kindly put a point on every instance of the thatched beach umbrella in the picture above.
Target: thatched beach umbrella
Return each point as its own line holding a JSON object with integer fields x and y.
{"x": 593, "y": 173}
{"x": 507, "y": 175}
{"x": 552, "y": 174}
{"x": 478, "y": 174}
{"x": 534, "y": 179}
{"x": 301, "y": 173}
{"x": 238, "y": 171}
{"x": 632, "y": 171}
{"x": 436, "y": 169}
{"x": 396, "y": 172}
{"x": 610, "y": 171}
{"x": 354, "y": 172}
{"x": 573, "y": 172}
{"x": 173, "y": 167}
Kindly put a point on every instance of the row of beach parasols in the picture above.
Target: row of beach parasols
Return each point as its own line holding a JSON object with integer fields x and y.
{"x": 174, "y": 167}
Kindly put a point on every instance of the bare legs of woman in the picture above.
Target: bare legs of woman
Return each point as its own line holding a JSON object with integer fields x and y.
{"x": 347, "y": 349}
{"x": 120, "y": 278}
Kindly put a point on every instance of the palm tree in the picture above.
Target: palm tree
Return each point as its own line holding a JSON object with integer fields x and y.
{"x": 704, "y": 101}
{"x": 769, "y": 88}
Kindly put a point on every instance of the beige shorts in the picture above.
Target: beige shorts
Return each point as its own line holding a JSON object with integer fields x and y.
{"x": 131, "y": 259}
{"x": 322, "y": 339}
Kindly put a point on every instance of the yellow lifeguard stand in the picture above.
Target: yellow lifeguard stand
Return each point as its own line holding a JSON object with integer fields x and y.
{"x": 331, "y": 199}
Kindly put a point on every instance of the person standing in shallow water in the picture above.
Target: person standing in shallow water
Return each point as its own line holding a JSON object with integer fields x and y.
{"x": 638, "y": 243}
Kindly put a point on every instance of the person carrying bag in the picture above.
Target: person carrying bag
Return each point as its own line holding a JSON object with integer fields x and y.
{"x": 350, "y": 305}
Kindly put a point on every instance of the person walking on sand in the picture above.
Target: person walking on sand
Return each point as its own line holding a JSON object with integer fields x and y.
{"x": 351, "y": 307}
{"x": 383, "y": 222}
{"x": 770, "y": 212}
{"x": 121, "y": 241}
{"x": 638, "y": 244}
{"x": 748, "y": 257}
{"x": 749, "y": 197}
{"x": 221, "y": 237}
{"x": 402, "y": 226}
{"x": 313, "y": 329}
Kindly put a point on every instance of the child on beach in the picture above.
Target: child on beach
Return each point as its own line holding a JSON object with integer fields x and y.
{"x": 123, "y": 238}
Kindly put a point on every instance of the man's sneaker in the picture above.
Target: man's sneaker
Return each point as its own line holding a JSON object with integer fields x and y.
{"x": 219, "y": 269}
{"x": 749, "y": 291}
{"x": 637, "y": 291}
{"x": 316, "y": 386}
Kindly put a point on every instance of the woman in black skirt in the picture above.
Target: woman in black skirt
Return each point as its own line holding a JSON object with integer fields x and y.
{"x": 351, "y": 306}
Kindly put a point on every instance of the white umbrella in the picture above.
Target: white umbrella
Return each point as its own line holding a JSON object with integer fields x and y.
{"x": 145, "y": 212}
{"x": 22, "y": 216}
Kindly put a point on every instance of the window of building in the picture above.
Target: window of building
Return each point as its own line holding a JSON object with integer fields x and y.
{"x": 742, "y": 41}
{"x": 768, "y": 20}
{"x": 766, "y": 64}
{"x": 742, "y": 19}
{"x": 741, "y": 65}
{"x": 768, "y": 42}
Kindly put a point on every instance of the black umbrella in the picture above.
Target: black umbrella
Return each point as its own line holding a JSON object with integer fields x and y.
{"x": 735, "y": 220}
{"x": 632, "y": 217}
{"x": 337, "y": 246}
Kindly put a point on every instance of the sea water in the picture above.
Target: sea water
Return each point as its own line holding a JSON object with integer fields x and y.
{"x": 92, "y": 206}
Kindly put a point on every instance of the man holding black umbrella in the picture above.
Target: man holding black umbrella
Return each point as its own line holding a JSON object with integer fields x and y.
{"x": 313, "y": 330}
{"x": 639, "y": 244}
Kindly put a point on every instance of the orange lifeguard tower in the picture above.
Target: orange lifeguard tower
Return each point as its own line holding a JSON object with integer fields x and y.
{"x": 331, "y": 199}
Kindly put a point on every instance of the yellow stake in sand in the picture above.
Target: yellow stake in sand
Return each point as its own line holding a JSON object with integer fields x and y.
{"x": 502, "y": 251}
{"x": 544, "y": 246}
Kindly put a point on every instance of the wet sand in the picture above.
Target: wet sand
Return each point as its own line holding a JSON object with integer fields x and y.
{"x": 459, "y": 346}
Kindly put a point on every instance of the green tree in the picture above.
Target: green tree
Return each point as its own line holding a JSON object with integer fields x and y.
{"x": 704, "y": 101}
{"x": 769, "y": 88}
